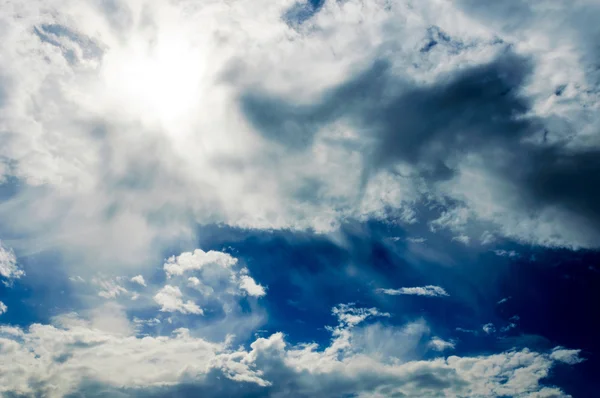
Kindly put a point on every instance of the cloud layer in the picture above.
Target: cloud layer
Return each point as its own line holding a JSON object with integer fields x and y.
{"x": 127, "y": 128}
{"x": 74, "y": 358}
{"x": 127, "y": 124}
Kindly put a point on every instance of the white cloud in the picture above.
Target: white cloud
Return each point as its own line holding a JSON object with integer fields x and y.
{"x": 464, "y": 239}
{"x": 216, "y": 274}
{"x": 139, "y": 279}
{"x": 109, "y": 288}
{"x": 251, "y": 287}
{"x": 196, "y": 260}
{"x": 430, "y": 291}
{"x": 3, "y": 308}
{"x": 55, "y": 361}
{"x": 570, "y": 357}
{"x": 170, "y": 298}
{"x": 8, "y": 264}
{"x": 489, "y": 328}
{"x": 438, "y": 344}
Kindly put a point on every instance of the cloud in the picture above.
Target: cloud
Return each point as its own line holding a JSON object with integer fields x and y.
{"x": 109, "y": 167}
{"x": 109, "y": 288}
{"x": 72, "y": 357}
{"x": 195, "y": 261}
{"x": 506, "y": 253}
{"x": 8, "y": 265}
{"x": 250, "y": 286}
{"x": 170, "y": 298}
{"x": 3, "y": 308}
{"x": 430, "y": 291}
{"x": 139, "y": 279}
{"x": 217, "y": 274}
{"x": 570, "y": 357}
{"x": 440, "y": 345}
{"x": 489, "y": 328}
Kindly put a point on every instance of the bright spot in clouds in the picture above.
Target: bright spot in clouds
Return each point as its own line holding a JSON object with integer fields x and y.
{"x": 158, "y": 81}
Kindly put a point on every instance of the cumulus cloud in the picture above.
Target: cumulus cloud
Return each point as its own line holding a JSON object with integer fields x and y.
{"x": 170, "y": 298}
{"x": 438, "y": 344}
{"x": 72, "y": 358}
{"x": 216, "y": 274}
{"x": 196, "y": 260}
{"x": 9, "y": 269}
{"x": 430, "y": 291}
{"x": 139, "y": 279}
{"x": 250, "y": 286}
{"x": 3, "y": 308}
{"x": 569, "y": 357}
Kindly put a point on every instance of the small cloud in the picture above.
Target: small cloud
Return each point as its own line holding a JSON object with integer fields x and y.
{"x": 504, "y": 300}
{"x": 170, "y": 299}
{"x": 570, "y": 357}
{"x": 196, "y": 260}
{"x": 416, "y": 240}
{"x": 8, "y": 265}
{"x": 514, "y": 318}
{"x": 429, "y": 291}
{"x": 250, "y": 286}
{"x": 109, "y": 288}
{"x": 487, "y": 237}
{"x": 3, "y": 308}
{"x": 139, "y": 279}
{"x": 462, "y": 239}
{"x": 462, "y": 330}
{"x": 506, "y": 253}
{"x": 508, "y": 327}
{"x": 440, "y": 345}
{"x": 76, "y": 279}
{"x": 489, "y": 328}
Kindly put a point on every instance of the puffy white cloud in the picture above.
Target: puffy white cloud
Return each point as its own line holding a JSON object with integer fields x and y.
{"x": 139, "y": 279}
{"x": 196, "y": 260}
{"x": 55, "y": 361}
{"x": 170, "y": 298}
{"x": 250, "y": 286}
{"x": 429, "y": 290}
{"x": 438, "y": 344}
{"x": 217, "y": 274}
{"x": 8, "y": 264}
{"x": 3, "y": 308}
{"x": 570, "y": 357}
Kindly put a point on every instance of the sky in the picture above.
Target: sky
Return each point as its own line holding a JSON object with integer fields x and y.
{"x": 323, "y": 198}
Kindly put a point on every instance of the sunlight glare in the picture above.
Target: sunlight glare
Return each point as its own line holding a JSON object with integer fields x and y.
{"x": 157, "y": 83}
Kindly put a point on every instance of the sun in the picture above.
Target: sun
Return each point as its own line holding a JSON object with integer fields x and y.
{"x": 157, "y": 81}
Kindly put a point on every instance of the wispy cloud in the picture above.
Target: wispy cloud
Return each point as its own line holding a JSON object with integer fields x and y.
{"x": 430, "y": 291}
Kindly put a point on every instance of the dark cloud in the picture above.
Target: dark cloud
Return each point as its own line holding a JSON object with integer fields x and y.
{"x": 479, "y": 110}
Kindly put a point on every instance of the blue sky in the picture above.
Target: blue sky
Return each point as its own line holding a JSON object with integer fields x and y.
{"x": 307, "y": 199}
